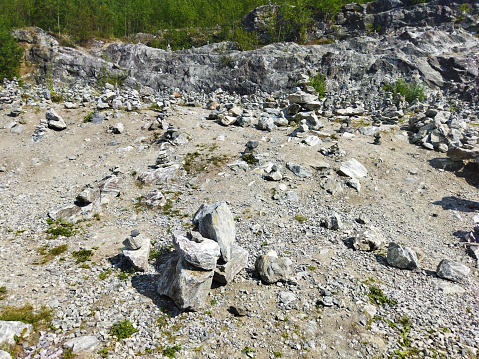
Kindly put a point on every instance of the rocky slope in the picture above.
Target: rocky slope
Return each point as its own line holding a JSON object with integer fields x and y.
{"x": 328, "y": 184}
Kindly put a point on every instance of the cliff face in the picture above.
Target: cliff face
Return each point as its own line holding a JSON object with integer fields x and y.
{"x": 433, "y": 43}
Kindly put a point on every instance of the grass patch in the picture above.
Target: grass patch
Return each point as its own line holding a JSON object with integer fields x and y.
{"x": 82, "y": 255}
{"x": 170, "y": 352}
{"x": 377, "y": 296}
{"x": 3, "y": 291}
{"x": 88, "y": 118}
{"x": 249, "y": 158}
{"x": 123, "y": 329}
{"x": 198, "y": 162}
{"x": 300, "y": 218}
{"x": 60, "y": 228}
{"x": 26, "y": 314}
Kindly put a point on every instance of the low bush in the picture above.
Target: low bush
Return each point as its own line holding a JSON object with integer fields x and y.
{"x": 410, "y": 91}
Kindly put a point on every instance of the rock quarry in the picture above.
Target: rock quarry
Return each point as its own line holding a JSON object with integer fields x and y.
{"x": 191, "y": 207}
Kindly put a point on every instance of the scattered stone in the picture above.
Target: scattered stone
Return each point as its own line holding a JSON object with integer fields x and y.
{"x": 272, "y": 268}
{"x": 217, "y": 223}
{"x": 368, "y": 239}
{"x": 298, "y": 170}
{"x": 86, "y": 343}
{"x": 332, "y": 222}
{"x": 55, "y": 122}
{"x": 225, "y": 272}
{"x": 183, "y": 283}
{"x": 353, "y": 169}
{"x": 138, "y": 258}
{"x": 118, "y": 128}
{"x": 201, "y": 252}
{"x": 453, "y": 271}
{"x": 10, "y": 329}
{"x": 4, "y": 355}
{"x": 237, "y": 311}
{"x": 154, "y": 198}
{"x": 401, "y": 256}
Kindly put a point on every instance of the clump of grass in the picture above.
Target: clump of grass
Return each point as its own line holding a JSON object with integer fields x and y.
{"x": 48, "y": 253}
{"x": 104, "y": 275}
{"x": 170, "y": 352}
{"x": 377, "y": 296}
{"x": 318, "y": 82}
{"x": 26, "y": 314}
{"x": 60, "y": 228}
{"x": 88, "y": 118}
{"x": 123, "y": 329}
{"x": 249, "y": 158}
{"x": 3, "y": 291}
{"x": 410, "y": 91}
{"x": 300, "y": 218}
{"x": 82, "y": 255}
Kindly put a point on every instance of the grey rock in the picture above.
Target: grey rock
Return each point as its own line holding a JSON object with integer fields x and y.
{"x": 368, "y": 239}
{"x": 274, "y": 176}
{"x": 312, "y": 140}
{"x": 301, "y": 97}
{"x": 98, "y": 117}
{"x": 286, "y": 297}
{"x": 110, "y": 185}
{"x": 159, "y": 175}
{"x": 225, "y": 272}
{"x": 118, "y": 128}
{"x": 85, "y": 343}
{"x": 216, "y": 222}
{"x": 88, "y": 195}
{"x": 197, "y": 250}
{"x": 272, "y": 268}
{"x": 238, "y": 311}
{"x": 187, "y": 286}
{"x": 55, "y": 122}
{"x": 353, "y": 169}
{"x": 138, "y": 257}
{"x": 135, "y": 242}
{"x": 330, "y": 185}
{"x": 299, "y": 170}
{"x": 266, "y": 124}
{"x": 8, "y": 330}
{"x": 154, "y": 198}
{"x": 332, "y": 222}
{"x": 401, "y": 256}
{"x": 5, "y": 355}
{"x": 453, "y": 271}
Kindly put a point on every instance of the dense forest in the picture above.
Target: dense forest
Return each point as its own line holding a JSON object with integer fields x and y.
{"x": 82, "y": 19}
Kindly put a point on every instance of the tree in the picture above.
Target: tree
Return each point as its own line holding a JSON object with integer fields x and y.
{"x": 10, "y": 53}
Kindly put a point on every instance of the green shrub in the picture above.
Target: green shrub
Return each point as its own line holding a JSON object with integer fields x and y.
{"x": 60, "y": 228}
{"x": 123, "y": 329}
{"x": 318, "y": 82}
{"x": 410, "y": 92}
{"x": 170, "y": 352}
{"x": 10, "y": 53}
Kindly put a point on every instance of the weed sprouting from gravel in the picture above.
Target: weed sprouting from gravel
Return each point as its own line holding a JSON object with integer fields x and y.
{"x": 377, "y": 296}
{"x": 170, "y": 352}
{"x": 60, "y": 228}
{"x": 82, "y": 255}
{"x": 123, "y": 329}
{"x": 300, "y": 218}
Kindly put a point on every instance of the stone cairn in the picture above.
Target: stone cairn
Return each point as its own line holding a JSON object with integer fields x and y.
{"x": 207, "y": 253}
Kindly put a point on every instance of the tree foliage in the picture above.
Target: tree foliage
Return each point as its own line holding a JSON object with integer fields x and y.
{"x": 10, "y": 52}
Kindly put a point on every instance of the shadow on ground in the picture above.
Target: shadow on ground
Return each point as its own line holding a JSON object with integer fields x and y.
{"x": 457, "y": 204}
{"x": 469, "y": 171}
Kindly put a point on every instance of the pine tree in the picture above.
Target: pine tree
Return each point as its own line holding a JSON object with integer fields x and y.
{"x": 10, "y": 52}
